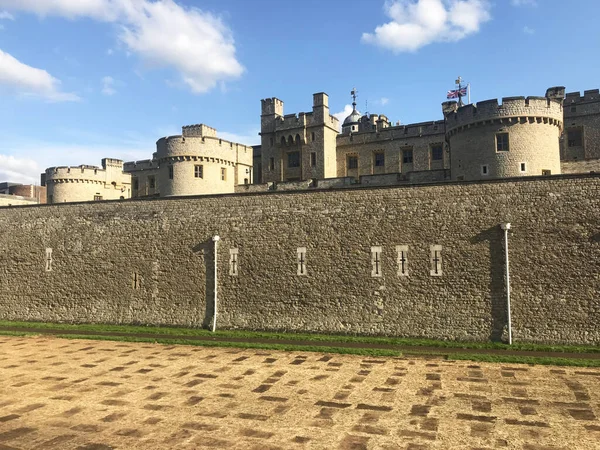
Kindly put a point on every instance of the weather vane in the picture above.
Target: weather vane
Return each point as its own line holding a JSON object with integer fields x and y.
{"x": 353, "y": 93}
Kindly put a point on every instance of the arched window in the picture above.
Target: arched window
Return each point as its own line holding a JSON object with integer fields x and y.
{"x": 313, "y": 136}
{"x": 282, "y": 141}
{"x": 297, "y": 139}
{"x": 290, "y": 140}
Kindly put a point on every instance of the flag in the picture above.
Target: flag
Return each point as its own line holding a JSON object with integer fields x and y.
{"x": 454, "y": 93}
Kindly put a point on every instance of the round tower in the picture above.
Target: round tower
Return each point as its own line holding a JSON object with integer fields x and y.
{"x": 198, "y": 162}
{"x": 519, "y": 137}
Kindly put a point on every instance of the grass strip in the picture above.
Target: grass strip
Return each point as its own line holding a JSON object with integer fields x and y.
{"x": 133, "y": 329}
{"x": 17, "y": 333}
{"x": 249, "y": 345}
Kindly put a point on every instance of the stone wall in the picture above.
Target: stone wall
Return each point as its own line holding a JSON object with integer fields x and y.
{"x": 582, "y": 166}
{"x": 13, "y": 200}
{"x": 582, "y": 113}
{"x": 150, "y": 261}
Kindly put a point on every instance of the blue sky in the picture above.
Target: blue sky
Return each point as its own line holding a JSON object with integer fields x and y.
{"x": 86, "y": 79}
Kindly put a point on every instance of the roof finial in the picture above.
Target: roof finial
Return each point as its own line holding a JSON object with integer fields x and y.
{"x": 354, "y": 93}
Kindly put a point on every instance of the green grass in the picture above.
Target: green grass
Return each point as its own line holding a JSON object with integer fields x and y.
{"x": 251, "y": 345}
{"x": 17, "y": 333}
{"x": 416, "y": 342}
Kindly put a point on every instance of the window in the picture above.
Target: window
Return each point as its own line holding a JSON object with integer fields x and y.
{"x": 523, "y": 167}
{"x": 437, "y": 153}
{"x": 151, "y": 182}
{"x": 170, "y": 172}
{"x": 135, "y": 281}
{"x": 573, "y": 108}
{"x": 271, "y": 163}
{"x": 136, "y": 183}
{"x": 376, "y": 261}
{"x": 313, "y": 136}
{"x": 436, "y": 260}
{"x": 502, "y": 142}
{"x": 48, "y": 260}
{"x": 546, "y": 172}
{"x": 485, "y": 170}
{"x": 97, "y": 198}
{"x": 352, "y": 162}
{"x": 407, "y": 156}
{"x": 402, "y": 251}
{"x": 223, "y": 173}
{"x": 294, "y": 159}
{"x": 271, "y": 141}
{"x": 379, "y": 159}
{"x": 198, "y": 171}
{"x": 233, "y": 262}
{"x": 313, "y": 159}
{"x": 245, "y": 180}
{"x": 574, "y": 137}
{"x": 301, "y": 261}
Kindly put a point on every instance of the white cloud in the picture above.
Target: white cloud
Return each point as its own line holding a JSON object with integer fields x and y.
{"x": 343, "y": 114}
{"x": 108, "y": 84}
{"x": 417, "y": 23}
{"x": 19, "y": 170}
{"x": 30, "y": 81}
{"x": 523, "y": 2}
{"x": 43, "y": 155}
{"x": 6, "y": 15}
{"x": 528, "y": 30}
{"x": 384, "y": 101}
{"x": 109, "y": 51}
{"x": 197, "y": 44}
{"x": 249, "y": 138}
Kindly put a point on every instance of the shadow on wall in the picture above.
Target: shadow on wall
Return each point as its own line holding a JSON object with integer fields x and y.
{"x": 207, "y": 249}
{"x": 497, "y": 291}
{"x": 595, "y": 238}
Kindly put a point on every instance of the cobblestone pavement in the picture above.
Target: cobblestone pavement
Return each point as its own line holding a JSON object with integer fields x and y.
{"x": 76, "y": 394}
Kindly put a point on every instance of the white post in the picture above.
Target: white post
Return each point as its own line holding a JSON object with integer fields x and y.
{"x": 214, "y": 324}
{"x": 506, "y": 227}
{"x": 469, "y": 93}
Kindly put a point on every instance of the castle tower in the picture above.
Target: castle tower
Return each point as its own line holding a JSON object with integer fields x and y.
{"x": 197, "y": 162}
{"x": 352, "y": 122}
{"x": 519, "y": 137}
{"x": 298, "y": 147}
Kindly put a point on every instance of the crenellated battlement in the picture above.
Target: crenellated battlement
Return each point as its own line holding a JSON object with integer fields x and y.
{"x": 537, "y": 108}
{"x": 407, "y": 131}
{"x": 270, "y": 106}
{"x": 198, "y": 130}
{"x": 145, "y": 164}
{"x": 592, "y": 95}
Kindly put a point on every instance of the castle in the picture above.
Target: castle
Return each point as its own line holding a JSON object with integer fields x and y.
{"x": 518, "y": 136}
{"x": 413, "y": 243}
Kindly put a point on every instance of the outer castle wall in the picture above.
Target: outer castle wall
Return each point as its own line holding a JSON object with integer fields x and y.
{"x": 533, "y": 126}
{"x": 140, "y": 261}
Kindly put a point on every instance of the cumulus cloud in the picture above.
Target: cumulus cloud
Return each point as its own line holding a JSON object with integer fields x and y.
{"x": 19, "y": 170}
{"x": 197, "y": 44}
{"x": 6, "y": 15}
{"x": 108, "y": 84}
{"x": 343, "y": 114}
{"x": 384, "y": 101}
{"x": 417, "y": 23}
{"x": 30, "y": 81}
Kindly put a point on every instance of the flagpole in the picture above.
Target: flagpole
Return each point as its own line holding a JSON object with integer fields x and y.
{"x": 469, "y": 93}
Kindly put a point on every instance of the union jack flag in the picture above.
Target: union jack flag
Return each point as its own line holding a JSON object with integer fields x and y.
{"x": 454, "y": 93}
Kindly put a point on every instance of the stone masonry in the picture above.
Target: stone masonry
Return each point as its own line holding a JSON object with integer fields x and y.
{"x": 150, "y": 262}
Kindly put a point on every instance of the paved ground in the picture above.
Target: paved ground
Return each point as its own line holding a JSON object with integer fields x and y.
{"x": 63, "y": 394}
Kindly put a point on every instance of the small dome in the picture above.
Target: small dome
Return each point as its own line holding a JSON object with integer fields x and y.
{"x": 353, "y": 118}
